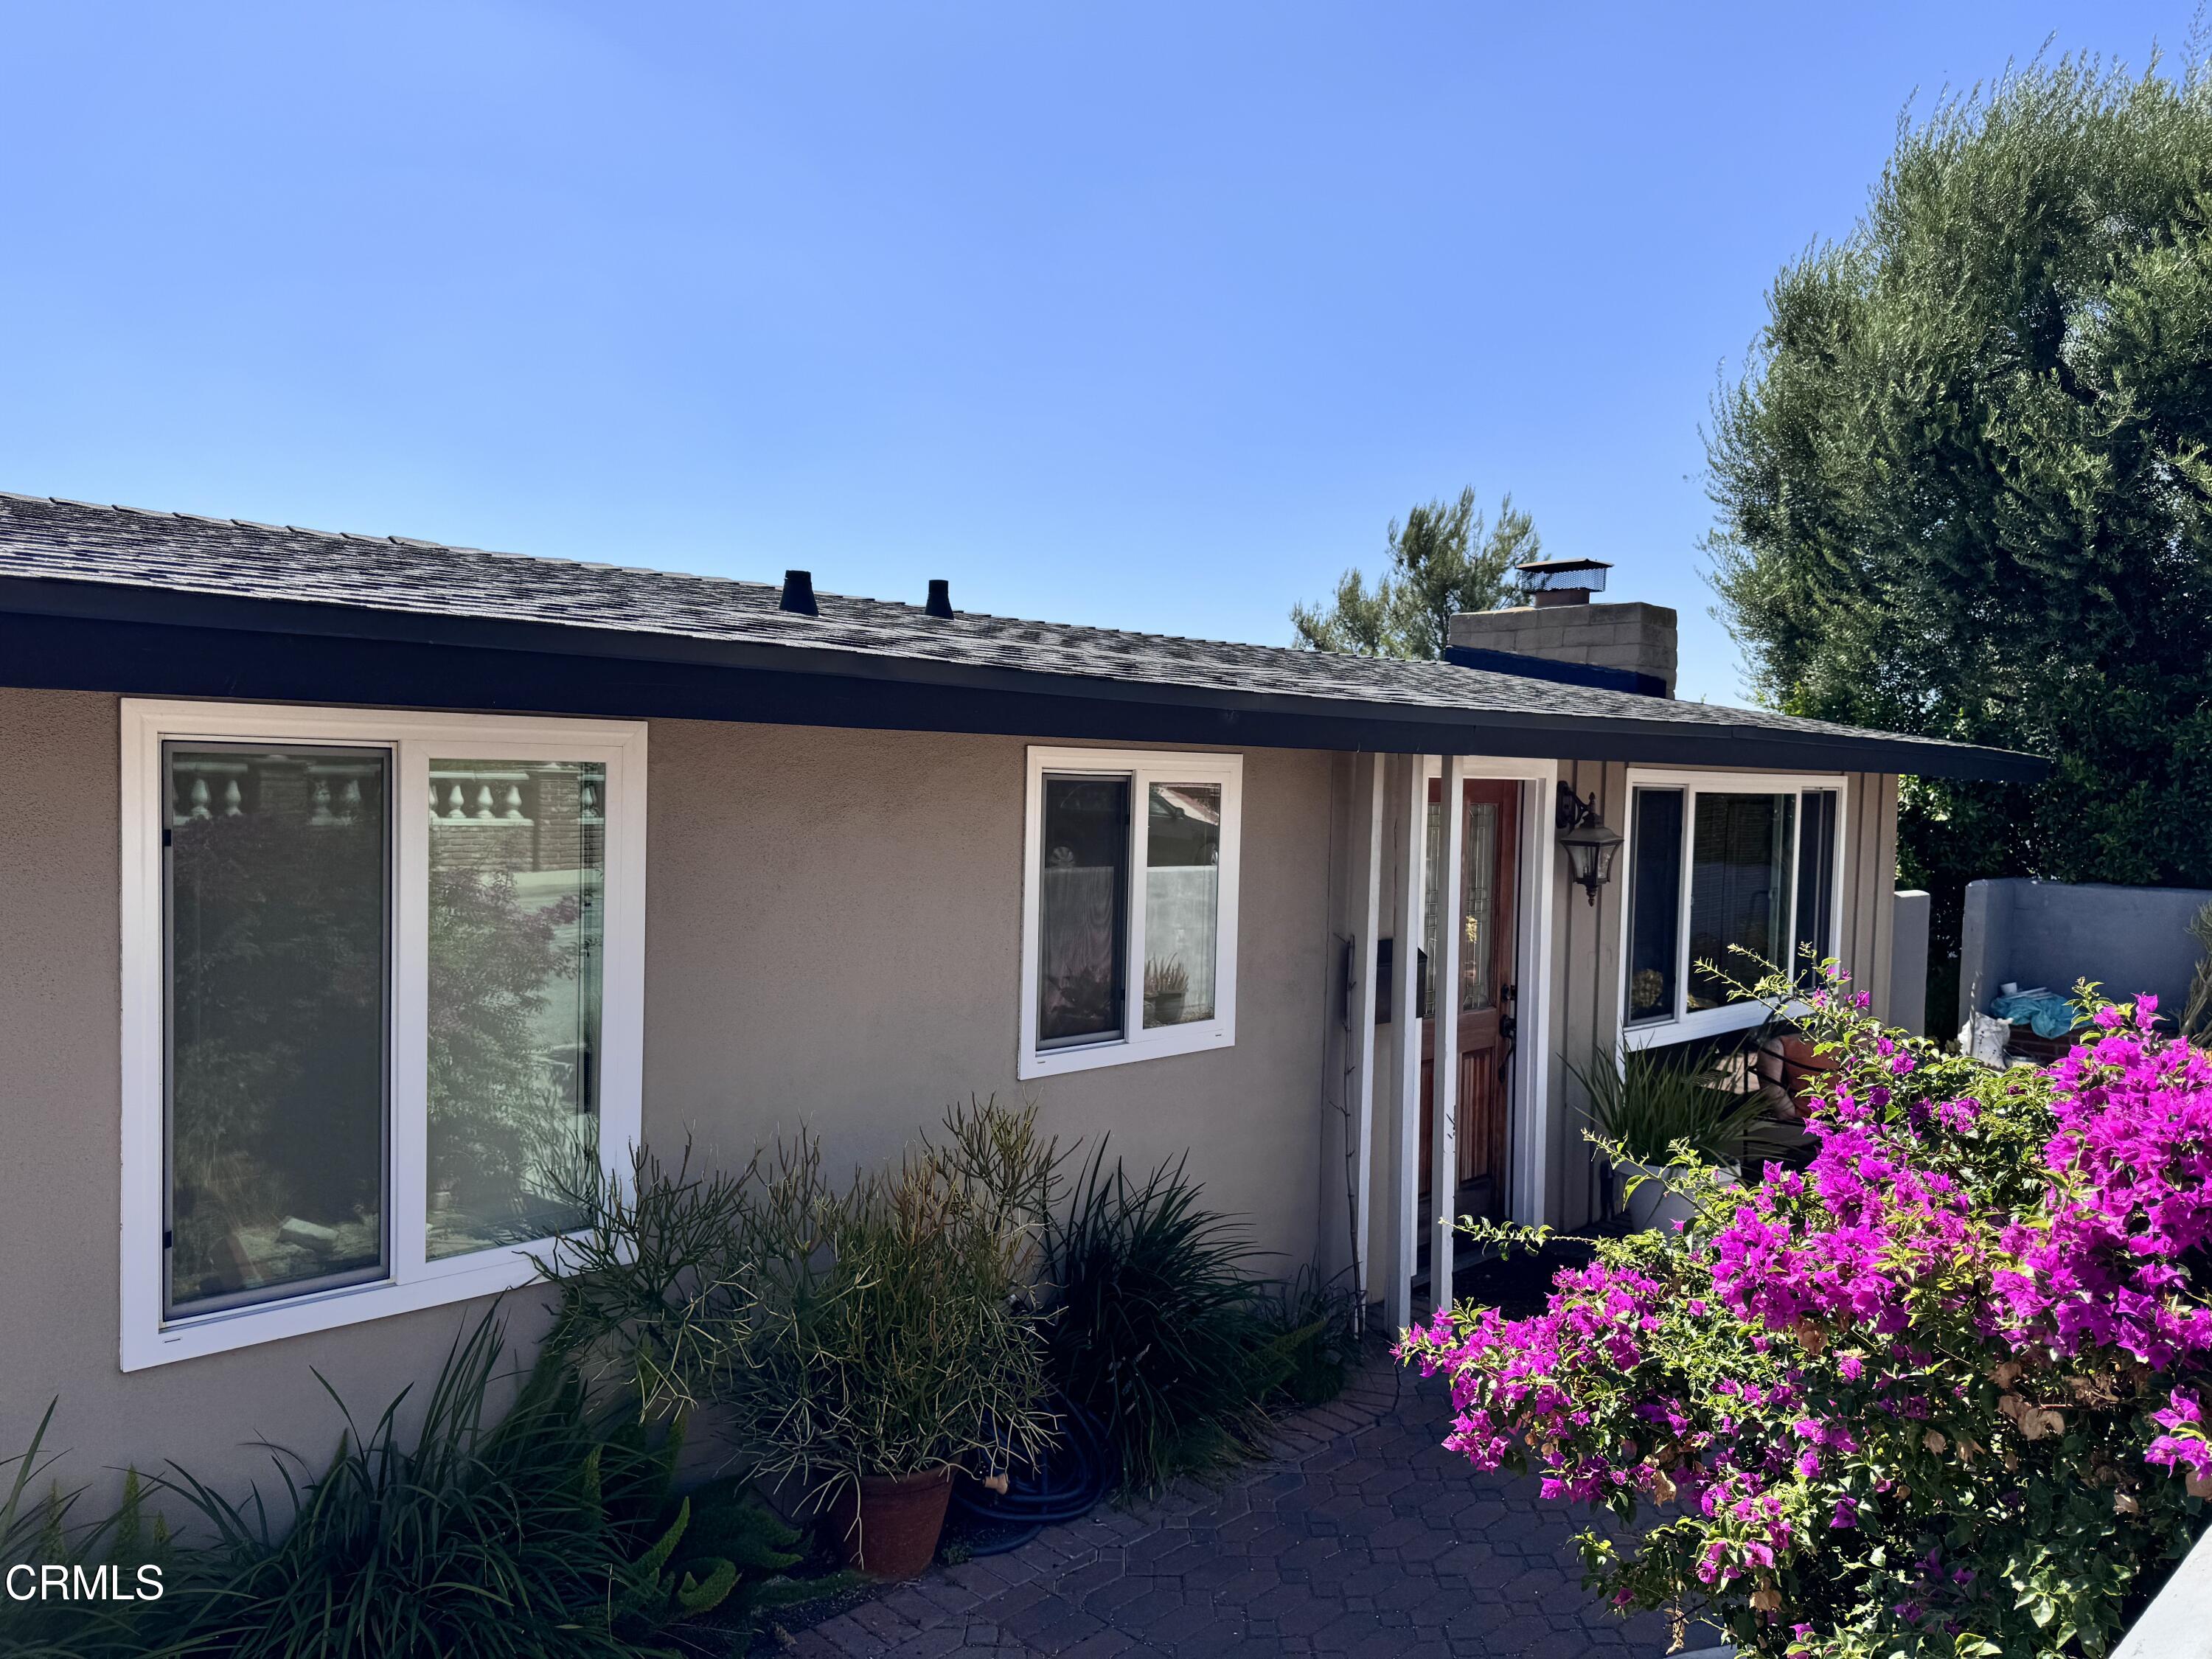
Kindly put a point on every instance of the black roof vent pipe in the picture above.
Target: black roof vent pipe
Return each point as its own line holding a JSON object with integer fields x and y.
{"x": 940, "y": 598}
{"x": 799, "y": 593}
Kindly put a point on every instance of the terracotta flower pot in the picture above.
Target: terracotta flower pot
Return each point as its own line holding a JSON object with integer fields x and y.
{"x": 890, "y": 1525}
{"x": 1791, "y": 1061}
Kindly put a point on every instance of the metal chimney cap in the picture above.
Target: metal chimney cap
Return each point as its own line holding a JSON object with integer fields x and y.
{"x": 940, "y": 598}
{"x": 799, "y": 593}
{"x": 1562, "y": 582}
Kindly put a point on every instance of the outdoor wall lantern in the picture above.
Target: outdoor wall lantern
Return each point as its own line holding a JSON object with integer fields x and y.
{"x": 1591, "y": 847}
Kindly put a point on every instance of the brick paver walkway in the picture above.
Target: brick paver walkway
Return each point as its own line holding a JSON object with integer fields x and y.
{"x": 1361, "y": 1536}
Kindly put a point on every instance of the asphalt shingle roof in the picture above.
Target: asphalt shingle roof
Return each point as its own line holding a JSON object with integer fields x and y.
{"x": 44, "y": 539}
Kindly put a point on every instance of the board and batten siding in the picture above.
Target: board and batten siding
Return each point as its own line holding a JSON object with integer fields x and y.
{"x": 1587, "y": 943}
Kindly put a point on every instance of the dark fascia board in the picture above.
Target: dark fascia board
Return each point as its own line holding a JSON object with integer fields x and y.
{"x": 150, "y": 641}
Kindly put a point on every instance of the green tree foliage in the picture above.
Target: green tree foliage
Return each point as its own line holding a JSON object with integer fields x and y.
{"x": 1963, "y": 485}
{"x": 1446, "y": 557}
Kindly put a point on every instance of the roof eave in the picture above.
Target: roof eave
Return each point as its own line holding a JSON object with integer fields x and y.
{"x": 1039, "y": 703}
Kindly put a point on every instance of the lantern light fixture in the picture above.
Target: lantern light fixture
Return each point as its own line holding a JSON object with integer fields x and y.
{"x": 1592, "y": 845}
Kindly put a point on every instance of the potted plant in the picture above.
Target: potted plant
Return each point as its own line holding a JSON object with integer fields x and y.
{"x": 1649, "y": 1114}
{"x": 1795, "y": 1061}
{"x": 1167, "y": 986}
{"x": 888, "y": 1338}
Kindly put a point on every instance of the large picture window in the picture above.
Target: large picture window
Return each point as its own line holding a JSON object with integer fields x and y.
{"x": 1128, "y": 937}
{"x": 383, "y": 976}
{"x": 1724, "y": 872}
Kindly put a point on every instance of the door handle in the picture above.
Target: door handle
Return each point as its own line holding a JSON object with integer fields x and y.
{"x": 1508, "y": 1027}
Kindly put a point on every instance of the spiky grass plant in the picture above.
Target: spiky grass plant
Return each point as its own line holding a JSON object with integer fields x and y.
{"x": 1157, "y": 1327}
{"x": 37, "y": 1529}
{"x": 1648, "y": 1108}
{"x": 541, "y": 1535}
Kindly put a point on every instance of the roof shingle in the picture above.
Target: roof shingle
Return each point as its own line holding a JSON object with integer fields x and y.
{"x": 45, "y": 539}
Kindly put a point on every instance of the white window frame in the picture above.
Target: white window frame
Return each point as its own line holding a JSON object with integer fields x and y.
{"x": 413, "y": 1281}
{"x": 1143, "y": 767}
{"x": 1690, "y": 1024}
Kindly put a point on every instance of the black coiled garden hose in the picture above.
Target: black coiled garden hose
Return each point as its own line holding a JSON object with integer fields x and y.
{"x": 1066, "y": 1483}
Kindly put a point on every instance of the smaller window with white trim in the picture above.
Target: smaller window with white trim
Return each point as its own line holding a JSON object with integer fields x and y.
{"x": 1724, "y": 873}
{"x": 1129, "y": 906}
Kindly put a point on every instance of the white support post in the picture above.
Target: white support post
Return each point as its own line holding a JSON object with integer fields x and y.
{"x": 1443, "y": 1136}
{"x": 1406, "y": 1015}
{"x": 1363, "y": 1028}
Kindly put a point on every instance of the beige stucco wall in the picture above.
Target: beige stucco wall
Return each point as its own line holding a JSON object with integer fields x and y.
{"x": 833, "y": 934}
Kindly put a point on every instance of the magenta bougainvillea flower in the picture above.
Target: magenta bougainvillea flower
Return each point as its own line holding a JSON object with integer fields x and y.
{"x": 1938, "y": 1391}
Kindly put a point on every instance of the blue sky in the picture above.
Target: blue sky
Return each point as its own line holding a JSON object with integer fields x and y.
{"x": 1150, "y": 316}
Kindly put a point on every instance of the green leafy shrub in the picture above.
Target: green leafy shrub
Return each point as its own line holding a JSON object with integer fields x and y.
{"x": 1314, "y": 1326}
{"x": 881, "y": 1327}
{"x": 1649, "y": 1108}
{"x": 653, "y": 1292}
{"x": 890, "y": 1330}
{"x": 1156, "y": 1328}
{"x": 36, "y": 1530}
{"x": 546, "y": 1534}
{"x": 543, "y": 1534}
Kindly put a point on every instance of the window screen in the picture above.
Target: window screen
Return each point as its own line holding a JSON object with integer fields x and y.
{"x": 1655, "y": 899}
{"x": 278, "y": 937}
{"x": 1082, "y": 909}
{"x": 1816, "y": 881}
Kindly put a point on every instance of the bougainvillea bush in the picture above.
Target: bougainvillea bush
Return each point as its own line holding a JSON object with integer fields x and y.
{"x": 1941, "y": 1392}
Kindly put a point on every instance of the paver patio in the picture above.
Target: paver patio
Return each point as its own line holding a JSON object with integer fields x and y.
{"x": 1362, "y": 1536}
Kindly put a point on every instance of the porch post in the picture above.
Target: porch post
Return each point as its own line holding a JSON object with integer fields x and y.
{"x": 1443, "y": 1136}
{"x": 1405, "y": 1014}
{"x": 1363, "y": 1027}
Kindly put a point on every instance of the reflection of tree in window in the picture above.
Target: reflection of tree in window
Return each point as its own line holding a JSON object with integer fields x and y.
{"x": 1739, "y": 890}
{"x": 1082, "y": 908}
{"x": 517, "y": 867}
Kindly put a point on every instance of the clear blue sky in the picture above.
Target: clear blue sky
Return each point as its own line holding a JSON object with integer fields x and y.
{"x": 1147, "y": 315}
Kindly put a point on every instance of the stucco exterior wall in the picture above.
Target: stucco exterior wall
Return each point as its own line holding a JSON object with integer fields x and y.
{"x": 60, "y": 1149}
{"x": 833, "y": 936}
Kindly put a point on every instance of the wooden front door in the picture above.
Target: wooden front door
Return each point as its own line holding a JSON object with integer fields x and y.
{"x": 1487, "y": 885}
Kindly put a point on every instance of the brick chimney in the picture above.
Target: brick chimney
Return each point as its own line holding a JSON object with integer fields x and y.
{"x": 1561, "y": 624}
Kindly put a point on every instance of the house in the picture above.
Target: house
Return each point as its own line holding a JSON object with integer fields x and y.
{"x": 354, "y": 883}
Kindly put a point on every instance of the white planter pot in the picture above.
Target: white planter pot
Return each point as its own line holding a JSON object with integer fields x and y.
{"x": 1654, "y": 1205}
